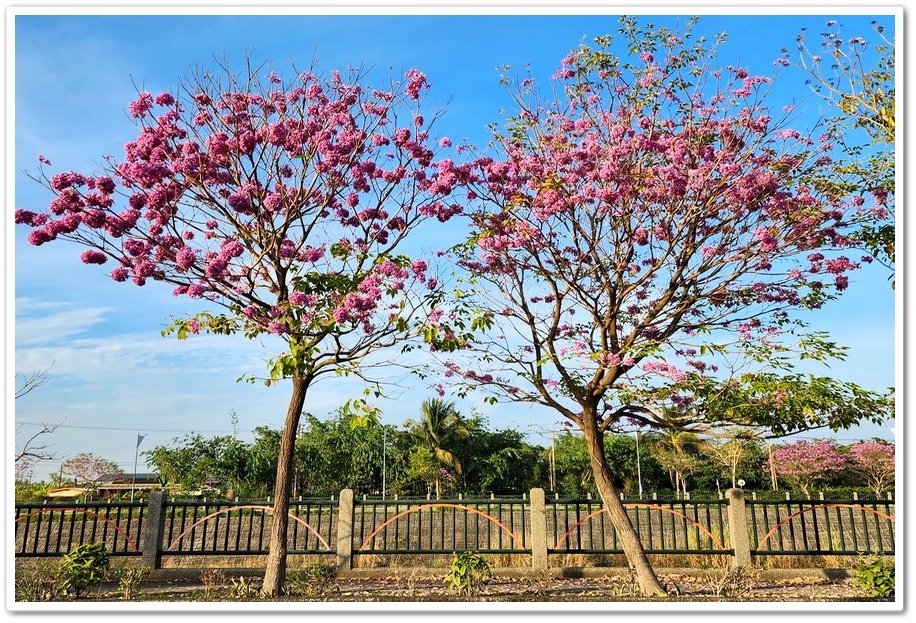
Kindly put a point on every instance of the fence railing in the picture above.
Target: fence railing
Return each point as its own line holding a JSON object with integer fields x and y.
{"x": 664, "y": 526}
{"x": 534, "y": 526}
{"x": 225, "y": 528}
{"x": 440, "y": 527}
{"x": 835, "y": 527}
{"x": 43, "y": 530}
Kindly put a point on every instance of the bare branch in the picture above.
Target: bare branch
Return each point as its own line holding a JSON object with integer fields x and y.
{"x": 32, "y": 452}
{"x": 32, "y": 382}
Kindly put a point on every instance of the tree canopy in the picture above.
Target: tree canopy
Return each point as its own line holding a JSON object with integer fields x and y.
{"x": 281, "y": 200}
{"x": 646, "y": 238}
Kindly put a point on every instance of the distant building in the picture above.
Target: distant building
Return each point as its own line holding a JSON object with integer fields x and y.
{"x": 119, "y": 485}
{"x": 66, "y": 494}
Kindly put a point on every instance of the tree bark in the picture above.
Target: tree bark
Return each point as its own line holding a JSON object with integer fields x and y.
{"x": 275, "y": 571}
{"x": 629, "y": 539}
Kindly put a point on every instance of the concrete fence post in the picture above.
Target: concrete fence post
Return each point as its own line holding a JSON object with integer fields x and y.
{"x": 345, "y": 530}
{"x": 538, "y": 518}
{"x": 737, "y": 528}
{"x": 151, "y": 544}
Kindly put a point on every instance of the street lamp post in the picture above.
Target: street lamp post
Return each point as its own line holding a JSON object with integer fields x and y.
{"x": 133, "y": 482}
{"x": 553, "y": 462}
{"x": 638, "y": 463}
{"x": 384, "y": 460}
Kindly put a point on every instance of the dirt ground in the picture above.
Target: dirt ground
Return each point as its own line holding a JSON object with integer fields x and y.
{"x": 601, "y": 589}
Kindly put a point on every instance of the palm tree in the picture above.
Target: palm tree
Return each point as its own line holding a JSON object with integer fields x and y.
{"x": 438, "y": 429}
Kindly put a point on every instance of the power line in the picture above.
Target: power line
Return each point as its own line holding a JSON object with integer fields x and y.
{"x": 152, "y": 430}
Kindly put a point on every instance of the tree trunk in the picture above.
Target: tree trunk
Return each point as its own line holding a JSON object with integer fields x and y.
{"x": 629, "y": 539}
{"x": 275, "y": 571}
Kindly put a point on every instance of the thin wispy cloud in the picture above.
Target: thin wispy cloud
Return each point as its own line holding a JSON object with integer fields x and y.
{"x": 33, "y": 328}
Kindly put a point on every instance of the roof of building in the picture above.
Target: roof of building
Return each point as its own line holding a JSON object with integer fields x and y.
{"x": 138, "y": 478}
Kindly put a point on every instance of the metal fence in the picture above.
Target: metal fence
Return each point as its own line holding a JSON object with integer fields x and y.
{"x": 43, "y": 530}
{"x": 163, "y": 528}
{"x": 440, "y": 527}
{"x": 225, "y": 528}
{"x": 836, "y": 527}
{"x": 664, "y": 526}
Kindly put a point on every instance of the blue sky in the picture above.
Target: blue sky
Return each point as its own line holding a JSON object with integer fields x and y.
{"x": 114, "y": 376}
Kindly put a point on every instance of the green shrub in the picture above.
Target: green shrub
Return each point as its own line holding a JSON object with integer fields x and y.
{"x": 875, "y": 575}
{"x": 38, "y": 582}
{"x": 84, "y": 567}
{"x": 313, "y": 580}
{"x": 469, "y": 573}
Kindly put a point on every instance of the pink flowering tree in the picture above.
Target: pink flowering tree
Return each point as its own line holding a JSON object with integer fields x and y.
{"x": 641, "y": 239}
{"x": 874, "y": 460}
{"x": 86, "y": 469}
{"x": 281, "y": 204}
{"x": 804, "y": 463}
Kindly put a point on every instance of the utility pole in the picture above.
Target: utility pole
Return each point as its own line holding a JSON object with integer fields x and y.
{"x": 638, "y": 463}
{"x": 133, "y": 482}
{"x": 553, "y": 462}
{"x": 774, "y": 482}
{"x": 552, "y": 456}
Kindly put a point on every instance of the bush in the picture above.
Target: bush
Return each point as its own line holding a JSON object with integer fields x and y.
{"x": 875, "y": 575}
{"x": 313, "y": 580}
{"x": 244, "y": 587}
{"x": 469, "y": 573}
{"x": 733, "y": 583}
{"x": 130, "y": 579}
{"x": 84, "y": 567}
{"x": 213, "y": 580}
{"x": 38, "y": 582}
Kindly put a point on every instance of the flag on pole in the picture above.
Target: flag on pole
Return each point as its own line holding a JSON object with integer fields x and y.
{"x": 139, "y": 439}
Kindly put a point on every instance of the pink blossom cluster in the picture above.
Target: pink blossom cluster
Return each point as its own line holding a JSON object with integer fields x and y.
{"x": 869, "y": 452}
{"x": 801, "y": 456}
{"x": 875, "y": 460}
{"x": 668, "y": 370}
{"x": 663, "y": 203}
{"x": 807, "y": 461}
{"x": 642, "y": 177}
{"x": 227, "y": 190}
{"x": 444, "y": 473}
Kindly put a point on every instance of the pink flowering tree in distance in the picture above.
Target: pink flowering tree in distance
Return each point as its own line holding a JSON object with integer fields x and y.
{"x": 86, "y": 469}
{"x": 805, "y": 463}
{"x": 874, "y": 460}
{"x": 641, "y": 238}
{"x": 284, "y": 203}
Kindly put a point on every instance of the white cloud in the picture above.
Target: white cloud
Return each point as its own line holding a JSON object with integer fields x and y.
{"x": 49, "y": 328}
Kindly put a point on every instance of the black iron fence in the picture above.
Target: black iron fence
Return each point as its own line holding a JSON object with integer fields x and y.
{"x": 51, "y": 530}
{"x": 225, "y": 528}
{"x": 835, "y": 527}
{"x": 664, "y": 526}
{"x": 440, "y": 527}
{"x": 532, "y": 525}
